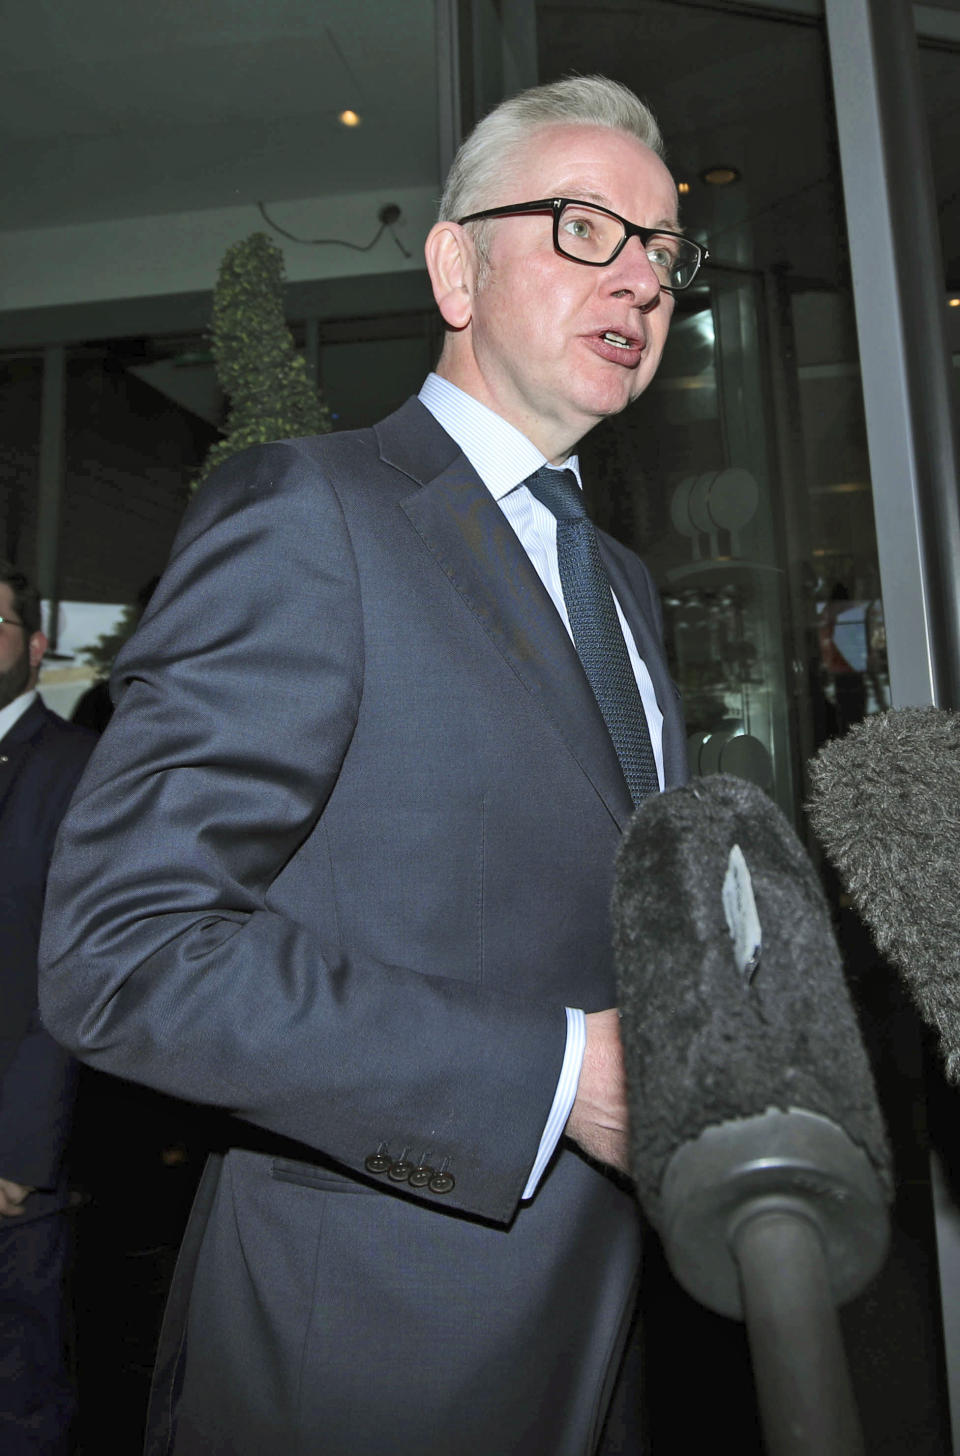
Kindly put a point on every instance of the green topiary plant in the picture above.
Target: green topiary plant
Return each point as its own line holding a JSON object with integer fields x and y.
{"x": 264, "y": 378}
{"x": 262, "y": 375}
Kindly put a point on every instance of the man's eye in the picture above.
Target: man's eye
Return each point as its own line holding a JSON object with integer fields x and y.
{"x": 661, "y": 255}
{"x": 580, "y": 227}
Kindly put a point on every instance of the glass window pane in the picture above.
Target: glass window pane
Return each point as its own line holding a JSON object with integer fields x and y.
{"x": 742, "y": 478}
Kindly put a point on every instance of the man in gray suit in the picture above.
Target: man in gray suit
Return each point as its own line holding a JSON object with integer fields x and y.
{"x": 341, "y": 864}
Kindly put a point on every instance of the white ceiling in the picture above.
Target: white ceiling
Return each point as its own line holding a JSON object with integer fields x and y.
{"x": 113, "y": 108}
{"x": 125, "y": 108}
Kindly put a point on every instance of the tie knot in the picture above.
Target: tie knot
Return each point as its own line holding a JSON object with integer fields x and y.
{"x": 559, "y": 492}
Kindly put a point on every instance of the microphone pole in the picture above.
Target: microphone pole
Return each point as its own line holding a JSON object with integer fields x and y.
{"x": 758, "y": 1148}
{"x": 803, "y": 1382}
{"x": 775, "y": 1221}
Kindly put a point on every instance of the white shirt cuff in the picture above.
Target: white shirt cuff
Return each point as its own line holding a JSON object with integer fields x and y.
{"x": 563, "y": 1099}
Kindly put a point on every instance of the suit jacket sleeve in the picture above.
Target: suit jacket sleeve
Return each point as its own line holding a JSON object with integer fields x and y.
{"x": 163, "y": 958}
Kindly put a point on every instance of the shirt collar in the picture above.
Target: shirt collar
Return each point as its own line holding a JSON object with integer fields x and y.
{"x": 498, "y": 452}
{"x": 15, "y": 710}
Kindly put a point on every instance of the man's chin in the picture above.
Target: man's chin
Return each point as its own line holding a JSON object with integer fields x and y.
{"x": 614, "y": 403}
{"x": 620, "y": 387}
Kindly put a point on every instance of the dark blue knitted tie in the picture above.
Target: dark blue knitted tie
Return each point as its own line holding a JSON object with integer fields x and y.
{"x": 596, "y": 630}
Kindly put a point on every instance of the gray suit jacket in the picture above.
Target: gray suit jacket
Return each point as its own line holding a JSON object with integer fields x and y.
{"x": 341, "y": 859}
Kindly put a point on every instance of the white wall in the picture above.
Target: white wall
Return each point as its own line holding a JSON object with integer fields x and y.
{"x": 180, "y": 252}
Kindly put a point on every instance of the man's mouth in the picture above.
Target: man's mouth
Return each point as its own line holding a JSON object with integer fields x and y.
{"x": 620, "y": 340}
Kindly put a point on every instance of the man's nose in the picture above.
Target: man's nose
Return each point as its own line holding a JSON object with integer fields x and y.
{"x": 632, "y": 272}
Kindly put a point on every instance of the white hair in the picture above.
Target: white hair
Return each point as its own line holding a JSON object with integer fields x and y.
{"x": 475, "y": 180}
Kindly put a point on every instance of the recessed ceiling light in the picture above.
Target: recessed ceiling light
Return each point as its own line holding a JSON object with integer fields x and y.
{"x": 349, "y": 118}
{"x": 954, "y": 302}
{"x": 683, "y": 188}
{"x": 720, "y": 175}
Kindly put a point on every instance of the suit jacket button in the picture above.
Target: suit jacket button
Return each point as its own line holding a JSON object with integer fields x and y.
{"x": 400, "y": 1170}
{"x": 378, "y": 1162}
{"x": 441, "y": 1183}
{"x": 421, "y": 1176}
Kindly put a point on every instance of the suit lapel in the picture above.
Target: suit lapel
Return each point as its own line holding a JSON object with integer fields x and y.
{"x": 16, "y": 745}
{"x": 474, "y": 545}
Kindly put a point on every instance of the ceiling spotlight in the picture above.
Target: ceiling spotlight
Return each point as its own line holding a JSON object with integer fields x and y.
{"x": 683, "y": 188}
{"x": 720, "y": 176}
{"x": 349, "y": 118}
{"x": 954, "y": 302}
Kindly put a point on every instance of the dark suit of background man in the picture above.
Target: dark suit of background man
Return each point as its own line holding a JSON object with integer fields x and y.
{"x": 342, "y": 860}
{"x": 41, "y": 759}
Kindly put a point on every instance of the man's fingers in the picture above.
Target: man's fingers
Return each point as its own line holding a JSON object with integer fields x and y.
{"x": 598, "y": 1121}
{"x": 12, "y": 1197}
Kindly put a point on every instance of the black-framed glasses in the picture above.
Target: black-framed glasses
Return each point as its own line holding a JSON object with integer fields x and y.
{"x": 9, "y": 622}
{"x": 587, "y": 233}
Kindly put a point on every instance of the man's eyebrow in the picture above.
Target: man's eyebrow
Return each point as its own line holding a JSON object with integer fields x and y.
{"x": 584, "y": 194}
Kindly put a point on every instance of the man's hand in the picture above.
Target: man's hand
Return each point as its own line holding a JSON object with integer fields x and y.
{"x": 12, "y": 1197}
{"x": 598, "y": 1120}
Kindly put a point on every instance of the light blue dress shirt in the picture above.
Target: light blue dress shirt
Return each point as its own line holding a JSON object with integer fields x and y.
{"x": 503, "y": 458}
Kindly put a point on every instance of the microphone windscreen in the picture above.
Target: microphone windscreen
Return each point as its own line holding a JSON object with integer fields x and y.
{"x": 885, "y": 805}
{"x": 706, "y": 1040}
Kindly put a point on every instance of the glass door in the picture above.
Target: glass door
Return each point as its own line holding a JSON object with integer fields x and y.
{"x": 742, "y": 478}
{"x": 745, "y": 463}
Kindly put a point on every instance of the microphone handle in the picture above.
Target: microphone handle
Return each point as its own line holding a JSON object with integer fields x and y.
{"x": 800, "y": 1367}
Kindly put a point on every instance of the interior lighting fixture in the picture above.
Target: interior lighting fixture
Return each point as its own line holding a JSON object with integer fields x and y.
{"x": 683, "y": 188}
{"x": 349, "y": 118}
{"x": 720, "y": 175}
{"x": 954, "y": 302}
{"x": 841, "y": 487}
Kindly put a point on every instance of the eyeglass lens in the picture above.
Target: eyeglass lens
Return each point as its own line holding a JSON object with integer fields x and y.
{"x": 592, "y": 236}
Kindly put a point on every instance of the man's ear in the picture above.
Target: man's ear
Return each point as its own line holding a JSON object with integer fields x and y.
{"x": 37, "y": 647}
{"x": 452, "y": 267}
